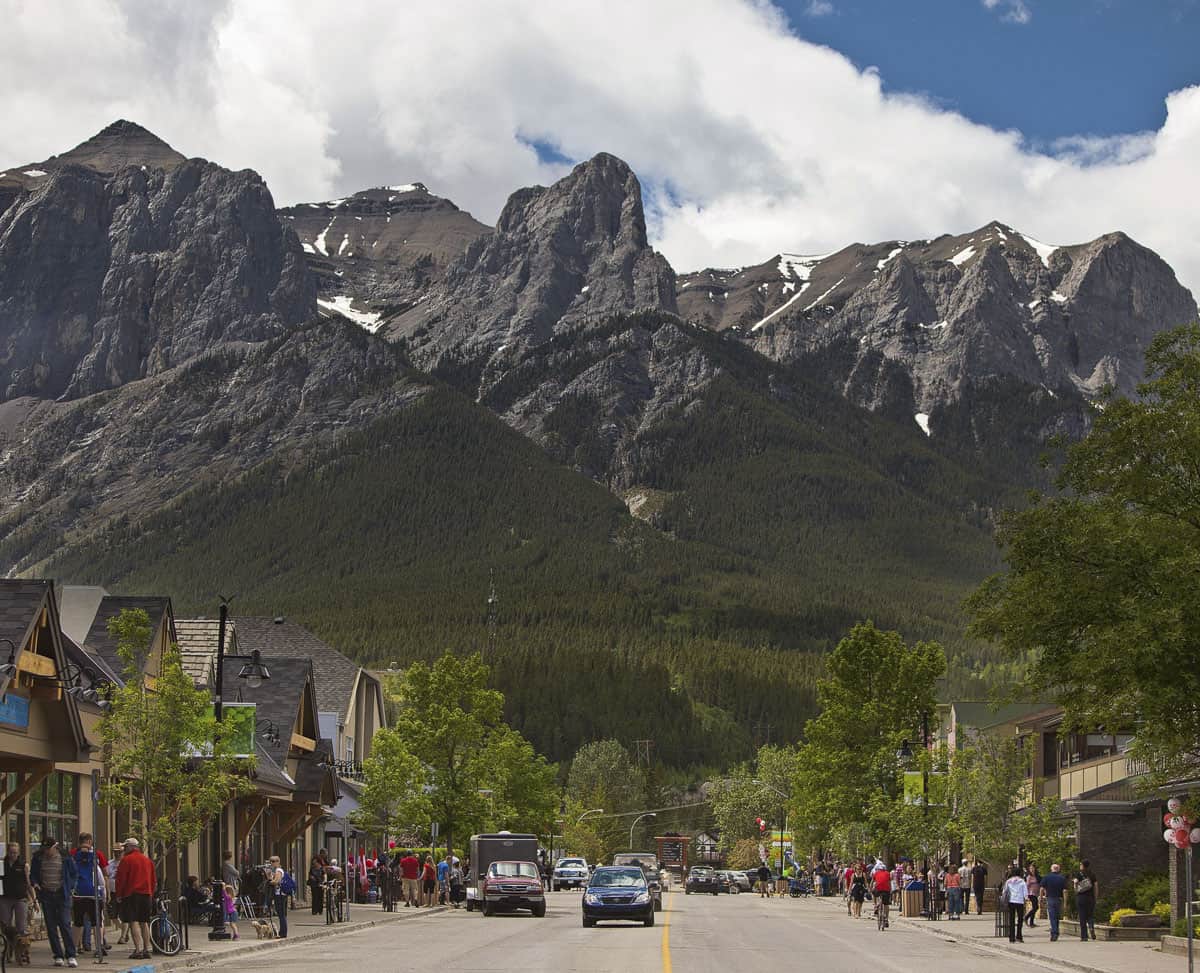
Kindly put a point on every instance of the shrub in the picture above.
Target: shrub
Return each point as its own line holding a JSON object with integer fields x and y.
{"x": 1119, "y": 914}
{"x": 1180, "y": 928}
{"x": 1163, "y": 911}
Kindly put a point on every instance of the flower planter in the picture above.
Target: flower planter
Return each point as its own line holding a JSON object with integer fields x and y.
{"x": 1120, "y": 934}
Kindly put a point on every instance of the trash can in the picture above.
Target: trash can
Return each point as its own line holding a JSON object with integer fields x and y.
{"x": 912, "y": 899}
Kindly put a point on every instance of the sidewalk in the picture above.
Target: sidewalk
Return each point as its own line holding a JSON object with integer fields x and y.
{"x": 1068, "y": 953}
{"x": 302, "y": 925}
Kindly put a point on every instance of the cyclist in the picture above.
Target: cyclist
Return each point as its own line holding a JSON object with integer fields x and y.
{"x": 881, "y": 888}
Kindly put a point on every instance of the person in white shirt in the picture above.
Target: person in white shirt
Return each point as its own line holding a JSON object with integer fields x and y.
{"x": 1014, "y": 894}
{"x": 964, "y": 883}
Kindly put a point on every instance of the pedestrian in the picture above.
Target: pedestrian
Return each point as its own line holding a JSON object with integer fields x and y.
{"x": 457, "y": 883}
{"x": 1015, "y": 893}
{"x": 410, "y": 874}
{"x": 428, "y": 882}
{"x": 858, "y": 890}
{"x": 764, "y": 881}
{"x": 1033, "y": 880}
{"x": 229, "y": 872}
{"x": 15, "y": 892}
{"x": 954, "y": 901}
{"x": 1085, "y": 899}
{"x": 1053, "y": 886}
{"x": 53, "y": 876}
{"x": 114, "y": 906}
{"x": 978, "y": 882}
{"x": 136, "y": 883}
{"x": 87, "y": 902}
{"x": 443, "y": 875}
{"x": 316, "y": 880}
{"x": 228, "y": 892}
{"x": 964, "y": 884}
{"x": 279, "y": 894}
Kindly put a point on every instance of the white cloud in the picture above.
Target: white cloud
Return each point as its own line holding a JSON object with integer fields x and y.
{"x": 819, "y": 8}
{"x": 1012, "y": 11}
{"x": 751, "y": 140}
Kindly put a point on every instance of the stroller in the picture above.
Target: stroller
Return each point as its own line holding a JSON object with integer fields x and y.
{"x": 799, "y": 886}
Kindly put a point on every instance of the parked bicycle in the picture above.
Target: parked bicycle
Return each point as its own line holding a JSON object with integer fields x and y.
{"x": 165, "y": 937}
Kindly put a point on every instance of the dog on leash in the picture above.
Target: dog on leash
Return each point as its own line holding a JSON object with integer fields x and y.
{"x": 16, "y": 948}
{"x": 264, "y": 930}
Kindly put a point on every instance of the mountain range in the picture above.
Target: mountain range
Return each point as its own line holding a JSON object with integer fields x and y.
{"x": 363, "y": 412}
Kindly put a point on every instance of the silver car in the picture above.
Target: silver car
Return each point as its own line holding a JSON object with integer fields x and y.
{"x": 738, "y": 882}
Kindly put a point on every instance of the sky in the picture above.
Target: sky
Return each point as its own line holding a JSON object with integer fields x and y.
{"x": 756, "y": 128}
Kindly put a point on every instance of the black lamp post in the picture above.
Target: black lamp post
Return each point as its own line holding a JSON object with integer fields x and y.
{"x": 254, "y": 672}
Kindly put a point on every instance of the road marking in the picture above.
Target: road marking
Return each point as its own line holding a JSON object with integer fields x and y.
{"x": 666, "y": 940}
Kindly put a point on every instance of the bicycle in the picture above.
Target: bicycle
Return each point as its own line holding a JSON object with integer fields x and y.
{"x": 881, "y": 913}
{"x": 165, "y": 937}
{"x": 335, "y": 898}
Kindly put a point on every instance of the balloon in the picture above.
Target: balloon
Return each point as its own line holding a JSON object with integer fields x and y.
{"x": 1174, "y": 804}
{"x": 1182, "y": 836}
{"x": 1175, "y": 823}
{"x": 391, "y": 844}
{"x": 1195, "y": 836}
{"x": 1169, "y": 835}
{"x": 1167, "y": 819}
{"x": 1181, "y": 845}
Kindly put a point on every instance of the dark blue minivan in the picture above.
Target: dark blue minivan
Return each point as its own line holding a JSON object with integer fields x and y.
{"x": 618, "y": 892}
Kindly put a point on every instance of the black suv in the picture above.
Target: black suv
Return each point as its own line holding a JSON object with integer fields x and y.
{"x": 702, "y": 878}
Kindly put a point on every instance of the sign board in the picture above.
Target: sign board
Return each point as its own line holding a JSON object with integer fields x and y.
{"x": 14, "y": 711}
{"x": 914, "y": 788}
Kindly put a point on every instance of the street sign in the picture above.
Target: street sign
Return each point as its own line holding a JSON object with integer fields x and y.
{"x": 433, "y": 833}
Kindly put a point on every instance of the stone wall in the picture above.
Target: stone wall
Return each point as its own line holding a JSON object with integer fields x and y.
{"x": 1120, "y": 845}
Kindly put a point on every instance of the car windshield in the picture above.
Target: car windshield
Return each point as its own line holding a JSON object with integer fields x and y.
{"x": 570, "y": 863}
{"x": 702, "y": 871}
{"x": 618, "y": 878}
{"x": 512, "y": 870}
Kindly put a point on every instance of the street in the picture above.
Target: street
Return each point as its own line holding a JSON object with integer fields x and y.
{"x": 694, "y": 933}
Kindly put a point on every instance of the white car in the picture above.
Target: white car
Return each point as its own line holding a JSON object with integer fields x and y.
{"x": 570, "y": 873}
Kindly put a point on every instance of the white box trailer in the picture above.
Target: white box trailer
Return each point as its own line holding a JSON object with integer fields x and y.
{"x": 503, "y": 846}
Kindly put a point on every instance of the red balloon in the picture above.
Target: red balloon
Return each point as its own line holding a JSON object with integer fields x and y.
{"x": 1181, "y": 836}
{"x": 1181, "y": 845}
{"x": 1167, "y": 818}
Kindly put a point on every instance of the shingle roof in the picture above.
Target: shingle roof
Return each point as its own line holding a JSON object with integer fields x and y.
{"x": 278, "y": 698}
{"x": 101, "y": 643}
{"x": 334, "y": 675}
{"x": 19, "y": 603}
{"x": 316, "y": 783}
{"x": 197, "y": 640}
{"x": 981, "y": 715}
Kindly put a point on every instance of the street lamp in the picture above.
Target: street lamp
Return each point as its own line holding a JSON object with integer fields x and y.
{"x": 585, "y": 814}
{"x": 648, "y": 814}
{"x": 255, "y": 671}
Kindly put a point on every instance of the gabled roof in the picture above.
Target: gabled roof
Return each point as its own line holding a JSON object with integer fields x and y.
{"x": 279, "y": 699}
{"x": 981, "y": 715}
{"x": 20, "y": 603}
{"x": 77, "y": 605}
{"x": 316, "y": 781}
{"x": 100, "y": 643}
{"x": 197, "y": 639}
{"x": 268, "y": 771}
{"x": 335, "y": 675}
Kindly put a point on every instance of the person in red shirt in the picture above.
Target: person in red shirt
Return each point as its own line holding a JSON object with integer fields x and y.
{"x": 136, "y": 882}
{"x": 881, "y": 887}
{"x": 410, "y": 872}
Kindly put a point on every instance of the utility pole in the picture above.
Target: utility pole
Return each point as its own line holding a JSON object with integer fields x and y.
{"x": 762, "y": 733}
{"x": 645, "y": 751}
{"x": 493, "y": 612}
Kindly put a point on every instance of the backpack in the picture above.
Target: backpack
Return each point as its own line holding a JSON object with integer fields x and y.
{"x": 288, "y": 885}
{"x": 86, "y": 883}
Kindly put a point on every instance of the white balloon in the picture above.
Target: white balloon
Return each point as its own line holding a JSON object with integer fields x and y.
{"x": 1195, "y": 836}
{"x": 1174, "y": 804}
{"x": 1168, "y": 835}
{"x": 1175, "y": 823}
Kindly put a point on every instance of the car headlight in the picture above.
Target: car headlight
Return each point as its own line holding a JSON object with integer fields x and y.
{"x": 642, "y": 898}
{"x": 591, "y": 898}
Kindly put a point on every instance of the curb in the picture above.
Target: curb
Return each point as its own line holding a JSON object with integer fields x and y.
{"x": 186, "y": 962}
{"x": 984, "y": 945}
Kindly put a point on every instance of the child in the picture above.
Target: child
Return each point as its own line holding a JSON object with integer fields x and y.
{"x": 230, "y": 909}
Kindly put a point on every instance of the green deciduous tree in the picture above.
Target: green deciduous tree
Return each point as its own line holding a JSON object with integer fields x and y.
{"x": 986, "y": 786}
{"x": 752, "y": 791}
{"x": 603, "y": 775}
{"x": 475, "y": 769}
{"x": 1102, "y": 578}
{"x": 875, "y": 692}
{"x": 1045, "y": 830}
{"x": 393, "y": 794}
{"x": 168, "y": 760}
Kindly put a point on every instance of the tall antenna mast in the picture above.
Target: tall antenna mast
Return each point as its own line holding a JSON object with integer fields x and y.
{"x": 493, "y": 604}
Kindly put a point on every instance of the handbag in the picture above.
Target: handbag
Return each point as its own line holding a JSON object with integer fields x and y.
{"x": 1083, "y": 886}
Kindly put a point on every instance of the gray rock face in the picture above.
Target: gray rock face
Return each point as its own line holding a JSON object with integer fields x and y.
{"x": 562, "y": 259}
{"x": 110, "y": 277}
{"x": 957, "y": 311}
{"x": 378, "y": 253}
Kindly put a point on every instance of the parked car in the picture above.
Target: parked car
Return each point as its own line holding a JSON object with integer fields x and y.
{"x": 570, "y": 873}
{"x": 508, "y": 886}
{"x": 647, "y": 861}
{"x": 618, "y": 892}
{"x": 702, "y": 878}
{"x": 738, "y": 882}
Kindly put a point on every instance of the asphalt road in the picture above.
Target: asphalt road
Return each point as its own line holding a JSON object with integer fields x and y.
{"x": 699, "y": 933}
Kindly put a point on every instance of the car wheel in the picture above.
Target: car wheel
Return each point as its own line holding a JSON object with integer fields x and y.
{"x": 487, "y": 909}
{"x": 588, "y": 923}
{"x": 687, "y": 891}
{"x": 470, "y": 905}
{"x": 658, "y": 905}
{"x": 539, "y": 910}
{"x": 649, "y": 920}
{"x": 554, "y": 887}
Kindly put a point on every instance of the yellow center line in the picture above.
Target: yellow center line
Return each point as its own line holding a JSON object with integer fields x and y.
{"x": 666, "y": 940}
